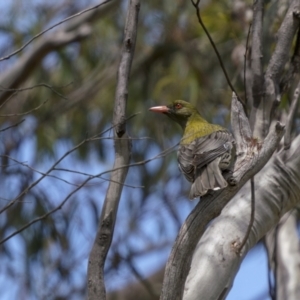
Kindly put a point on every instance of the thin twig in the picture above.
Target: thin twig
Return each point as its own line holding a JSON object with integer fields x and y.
{"x": 7, "y": 200}
{"x": 51, "y": 27}
{"x": 26, "y": 190}
{"x": 35, "y": 86}
{"x": 9, "y": 127}
{"x": 274, "y": 258}
{"x": 16, "y": 91}
{"x": 98, "y": 177}
{"x": 271, "y": 288}
{"x": 160, "y": 155}
{"x": 37, "y": 171}
{"x": 26, "y": 112}
{"x": 196, "y": 5}
{"x": 45, "y": 215}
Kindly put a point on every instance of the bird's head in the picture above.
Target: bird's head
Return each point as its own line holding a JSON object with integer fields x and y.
{"x": 180, "y": 111}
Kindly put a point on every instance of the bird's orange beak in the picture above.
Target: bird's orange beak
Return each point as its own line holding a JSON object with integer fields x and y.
{"x": 160, "y": 109}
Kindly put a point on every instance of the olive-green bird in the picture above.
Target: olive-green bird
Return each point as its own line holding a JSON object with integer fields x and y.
{"x": 205, "y": 150}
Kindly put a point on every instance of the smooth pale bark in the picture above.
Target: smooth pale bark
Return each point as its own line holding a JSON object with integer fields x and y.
{"x": 288, "y": 271}
{"x": 282, "y": 244}
{"x": 251, "y": 157}
{"x": 215, "y": 264}
{"x": 215, "y": 261}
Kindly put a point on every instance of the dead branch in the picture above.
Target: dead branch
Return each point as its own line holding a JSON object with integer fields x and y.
{"x": 96, "y": 287}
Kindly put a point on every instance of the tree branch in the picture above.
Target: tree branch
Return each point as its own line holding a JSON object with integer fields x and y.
{"x": 96, "y": 287}
{"x": 256, "y": 59}
{"x": 290, "y": 117}
{"x": 215, "y": 260}
{"x": 286, "y": 34}
{"x": 286, "y": 256}
{"x": 275, "y": 69}
{"x": 251, "y": 157}
{"x": 76, "y": 31}
{"x": 196, "y": 3}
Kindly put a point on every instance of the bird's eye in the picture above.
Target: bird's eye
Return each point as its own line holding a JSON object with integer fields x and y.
{"x": 178, "y": 105}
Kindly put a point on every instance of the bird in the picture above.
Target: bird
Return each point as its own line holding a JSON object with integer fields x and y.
{"x": 205, "y": 150}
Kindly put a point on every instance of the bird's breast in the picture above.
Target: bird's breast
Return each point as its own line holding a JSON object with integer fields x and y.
{"x": 198, "y": 130}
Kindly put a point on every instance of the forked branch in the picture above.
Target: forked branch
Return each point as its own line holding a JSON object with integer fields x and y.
{"x": 251, "y": 157}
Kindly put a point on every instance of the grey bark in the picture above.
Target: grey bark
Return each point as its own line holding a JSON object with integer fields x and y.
{"x": 96, "y": 286}
{"x": 282, "y": 243}
{"x": 256, "y": 61}
{"x": 218, "y": 254}
{"x": 215, "y": 260}
{"x": 251, "y": 157}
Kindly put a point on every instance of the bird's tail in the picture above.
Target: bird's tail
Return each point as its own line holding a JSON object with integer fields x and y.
{"x": 208, "y": 178}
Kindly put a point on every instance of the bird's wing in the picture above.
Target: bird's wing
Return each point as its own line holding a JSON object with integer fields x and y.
{"x": 202, "y": 151}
